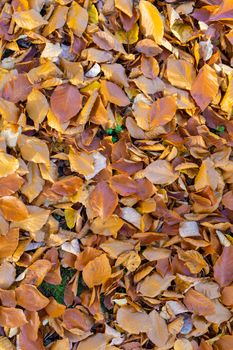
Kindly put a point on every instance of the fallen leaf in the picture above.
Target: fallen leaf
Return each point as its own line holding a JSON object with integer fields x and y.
{"x": 150, "y": 21}
{"x": 13, "y": 209}
{"x": 205, "y": 86}
{"x": 77, "y": 19}
{"x": 29, "y": 297}
{"x": 97, "y": 271}
{"x": 158, "y": 333}
{"x": 132, "y": 321}
{"x": 103, "y": 200}
{"x": 29, "y": 19}
{"x": 223, "y": 273}
{"x": 12, "y": 317}
{"x": 162, "y": 111}
{"x": 160, "y": 172}
{"x": 199, "y": 304}
{"x": 62, "y": 102}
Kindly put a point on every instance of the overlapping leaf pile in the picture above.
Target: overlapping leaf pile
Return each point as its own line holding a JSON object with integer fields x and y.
{"x": 116, "y": 175}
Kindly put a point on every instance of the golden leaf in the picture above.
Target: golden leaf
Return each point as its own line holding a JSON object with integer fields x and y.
{"x": 129, "y": 37}
{"x": 9, "y": 164}
{"x": 29, "y": 19}
{"x": 77, "y": 19}
{"x": 150, "y": 21}
{"x": 93, "y": 17}
{"x": 70, "y": 216}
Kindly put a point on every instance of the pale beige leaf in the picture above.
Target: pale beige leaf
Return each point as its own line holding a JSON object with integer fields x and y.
{"x": 154, "y": 284}
{"x": 160, "y": 172}
{"x": 189, "y": 229}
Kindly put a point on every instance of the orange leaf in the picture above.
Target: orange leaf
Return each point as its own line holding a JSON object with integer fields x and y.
{"x": 11, "y": 317}
{"x": 198, "y": 303}
{"x": 10, "y": 184}
{"x": 9, "y": 242}
{"x": 163, "y": 111}
{"x": 223, "y": 272}
{"x": 103, "y": 200}
{"x": 13, "y": 209}
{"x": 30, "y": 298}
{"x": 205, "y": 86}
{"x": 97, "y": 271}
{"x": 114, "y": 94}
{"x": 66, "y": 102}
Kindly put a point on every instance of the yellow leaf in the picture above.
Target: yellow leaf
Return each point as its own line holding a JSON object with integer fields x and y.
{"x": 93, "y": 17}
{"x": 37, "y": 107}
{"x": 150, "y": 21}
{"x": 70, "y": 216}
{"x": 77, "y": 19}
{"x": 91, "y": 87}
{"x": 29, "y": 19}
{"x": 129, "y": 37}
{"x": 9, "y": 164}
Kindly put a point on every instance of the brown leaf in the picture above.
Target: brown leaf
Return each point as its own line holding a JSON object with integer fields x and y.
{"x": 9, "y": 242}
{"x": 199, "y": 304}
{"x": 9, "y": 164}
{"x": 33, "y": 149}
{"x": 13, "y": 209}
{"x": 37, "y": 107}
{"x": 97, "y": 271}
{"x": 37, "y": 272}
{"x": 154, "y": 284}
{"x": 67, "y": 186}
{"x": 158, "y": 333}
{"x": 227, "y": 200}
{"x": 114, "y": 94}
{"x": 29, "y": 19}
{"x": 103, "y": 200}
{"x": 10, "y": 184}
{"x": 223, "y": 272}
{"x": 132, "y": 321}
{"x": 57, "y": 20}
{"x": 30, "y": 298}
{"x": 205, "y": 86}
{"x": 162, "y": 111}
{"x": 227, "y": 296}
{"x": 7, "y": 275}
{"x": 11, "y": 317}
{"x": 62, "y": 102}
{"x": 225, "y": 342}
{"x": 76, "y": 318}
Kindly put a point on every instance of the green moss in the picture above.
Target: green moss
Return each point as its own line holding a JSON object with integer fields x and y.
{"x": 220, "y": 128}
{"x": 57, "y": 291}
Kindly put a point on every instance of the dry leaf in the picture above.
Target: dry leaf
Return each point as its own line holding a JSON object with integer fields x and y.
{"x": 150, "y": 21}
{"x": 13, "y": 209}
{"x": 30, "y": 298}
{"x": 160, "y": 172}
{"x": 205, "y": 87}
{"x": 223, "y": 273}
{"x": 97, "y": 271}
{"x": 29, "y": 19}
{"x": 114, "y": 94}
{"x": 180, "y": 73}
{"x": 158, "y": 334}
{"x": 77, "y": 18}
{"x": 62, "y": 102}
{"x": 199, "y": 304}
{"x": 132, "y": 321}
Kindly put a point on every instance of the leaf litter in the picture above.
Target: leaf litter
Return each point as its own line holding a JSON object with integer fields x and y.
{"x": 116, "y": 185}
